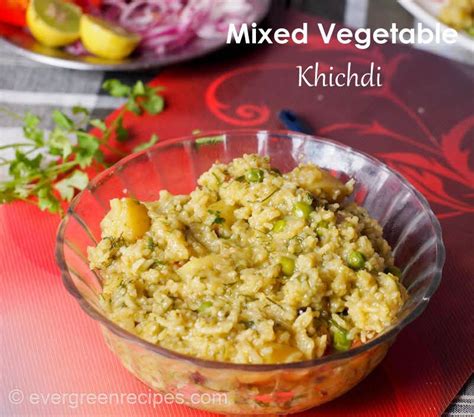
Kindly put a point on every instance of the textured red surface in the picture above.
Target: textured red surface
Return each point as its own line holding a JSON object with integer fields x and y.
{"x": 421, "y": 123}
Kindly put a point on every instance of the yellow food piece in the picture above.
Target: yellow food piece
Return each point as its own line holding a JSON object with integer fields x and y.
{"x": 458, "y": 14}
{"x": 284, "y": 354}
{"x": 106, "y": 40}
{"x": 127, "y": 219}
{"x": 198, "y": 265}
{"x": 225, "y": 211}
{"x": 319, "y": 182}
{"x": 53, "y": 22}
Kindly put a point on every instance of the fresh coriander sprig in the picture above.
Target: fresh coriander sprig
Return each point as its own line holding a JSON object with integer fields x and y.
{"x": 48, "y": 166}
{"x": 140, "y": 98}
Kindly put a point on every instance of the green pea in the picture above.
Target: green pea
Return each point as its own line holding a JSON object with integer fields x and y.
{"x": 151, "y": 244}
{"x": 302, "y": 210}
{"x": 320, "y": 227}
{"x": 287, "y": 265}
{"x": 356, "y": 260}
{"x": 340, "y": 340}
{"x": 204, "y": 306}
{"x": 279, "y": 226}
{"x": 393, "y": 270}
{"x": 254, "y": 175}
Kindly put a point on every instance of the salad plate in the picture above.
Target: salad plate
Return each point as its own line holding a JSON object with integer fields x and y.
{"x": 23, "y": 43}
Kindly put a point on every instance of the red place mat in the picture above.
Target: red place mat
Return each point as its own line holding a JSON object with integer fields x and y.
{"x": 420, "y": 123}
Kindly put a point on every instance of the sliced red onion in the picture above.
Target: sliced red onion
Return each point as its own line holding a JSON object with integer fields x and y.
{"x": 169, "y": 25}
{"x": 76, "y": 49}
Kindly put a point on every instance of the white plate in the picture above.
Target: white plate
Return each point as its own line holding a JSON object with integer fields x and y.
{"x": 23, "y": 43}
{"x": 427, "y": 11}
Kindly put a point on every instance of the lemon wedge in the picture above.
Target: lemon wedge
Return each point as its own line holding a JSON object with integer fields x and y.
{"x": 53, "y": 22}
{"x": 105, "y": 39}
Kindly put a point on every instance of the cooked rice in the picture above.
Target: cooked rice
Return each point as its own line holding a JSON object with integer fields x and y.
{"x": 202, "y": 274}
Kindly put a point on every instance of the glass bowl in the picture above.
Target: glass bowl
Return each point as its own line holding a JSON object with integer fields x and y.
{"x": 409, "y": 226}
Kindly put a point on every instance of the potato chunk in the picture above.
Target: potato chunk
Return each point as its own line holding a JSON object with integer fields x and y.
{"x": 225, "y": 211}
{"x": 127, "y": 218}
{"x": 319, "y": 182}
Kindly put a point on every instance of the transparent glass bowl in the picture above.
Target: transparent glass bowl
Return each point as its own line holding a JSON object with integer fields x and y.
{"x": 409, "y": 225}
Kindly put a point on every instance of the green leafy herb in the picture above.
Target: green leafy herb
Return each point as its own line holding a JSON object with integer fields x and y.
{"x": 274, "y": 302}
{"x": 139, "y": 89}
{"x": 157, "y": 263}
{"x": 270, "y": 195}
{"x": 46, "y": 168}
{"x": 120, "y": 132}
{"x": 210, "y": 140}
{"x": 140, "y": 97}
{"x": 146, "y": 145}
{"x": 79, "y": 110}
{"x": 116, "y": 89}
{"x": 154, "y": 104}
{"x": 150, "y": 244}
{"x": 99, "y": 124}
{"x": 76, "y": 181}
{"x": 219, "y": 181}
{"x": 61, "y": 120}
{"x": 115, "y": 242}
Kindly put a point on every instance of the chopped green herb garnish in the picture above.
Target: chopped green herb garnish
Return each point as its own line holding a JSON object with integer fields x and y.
{"x": 218, "y": 219}
{"x": 270, "y": 195}
{"x": 274, "y": 302}
{"x": 150, "y": 244}
{"x": 140, "y": 97}
{"x": 115, "y": 242}
{"x": 210, "y": 140}
{"x": 393, "y": 270}
{"x": 254, "y": 175}
{"x": 219, "y": 181}
{"x": 157, "y": 263}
